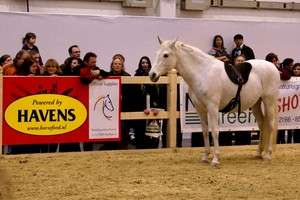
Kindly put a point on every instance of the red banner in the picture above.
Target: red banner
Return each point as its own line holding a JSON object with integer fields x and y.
{"x": 39, "y": 110}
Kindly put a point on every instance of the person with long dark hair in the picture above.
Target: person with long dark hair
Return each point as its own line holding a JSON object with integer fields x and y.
{"x": 219, "y": 51}
{"x": 157, "y": 95}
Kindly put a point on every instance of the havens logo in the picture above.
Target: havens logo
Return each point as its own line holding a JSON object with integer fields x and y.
{"x": 45, "y": 114}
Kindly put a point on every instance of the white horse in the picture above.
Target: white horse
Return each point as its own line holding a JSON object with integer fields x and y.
{"x": 211, "y": 90}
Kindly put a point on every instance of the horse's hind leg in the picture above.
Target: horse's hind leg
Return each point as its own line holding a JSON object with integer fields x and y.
{"x": 257, "y": 112}
{"x": 205, "y": 131}
{"x": 269, "y": 124}
{"x": 266, "y": 124}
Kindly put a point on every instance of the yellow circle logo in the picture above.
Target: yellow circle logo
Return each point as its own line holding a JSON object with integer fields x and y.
{"x": 45, "y": 114}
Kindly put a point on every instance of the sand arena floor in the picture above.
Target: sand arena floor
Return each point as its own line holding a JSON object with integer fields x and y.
{"x": 151, "y": 174}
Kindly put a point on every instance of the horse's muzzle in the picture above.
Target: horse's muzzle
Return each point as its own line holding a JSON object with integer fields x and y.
{"x": 153, "y": 76}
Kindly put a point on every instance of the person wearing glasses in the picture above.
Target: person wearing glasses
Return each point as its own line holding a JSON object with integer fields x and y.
{"x": 74, "y": 52}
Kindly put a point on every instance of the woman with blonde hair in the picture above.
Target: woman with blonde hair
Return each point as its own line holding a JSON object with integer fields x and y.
{"x": 117, "y": 68}
{"x": 52, "y": 68}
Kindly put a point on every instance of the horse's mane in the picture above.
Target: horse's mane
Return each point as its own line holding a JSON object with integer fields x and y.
{"x": 188, "y": 48}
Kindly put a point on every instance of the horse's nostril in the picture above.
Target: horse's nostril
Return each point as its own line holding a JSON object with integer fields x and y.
{"x": 153, "y": 75}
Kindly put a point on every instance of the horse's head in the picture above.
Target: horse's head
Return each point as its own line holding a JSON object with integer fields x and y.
{"x": 165, "y": 59}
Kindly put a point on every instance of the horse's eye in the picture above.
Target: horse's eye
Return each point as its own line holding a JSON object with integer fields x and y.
{"x": 166, "y": 55}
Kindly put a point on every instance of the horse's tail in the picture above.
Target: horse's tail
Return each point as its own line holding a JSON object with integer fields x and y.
{"x": 265, "y": 135}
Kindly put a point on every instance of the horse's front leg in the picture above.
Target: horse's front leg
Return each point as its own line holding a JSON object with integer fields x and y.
{"x": 205, "y": 131}
{"x": 213, "y": 115}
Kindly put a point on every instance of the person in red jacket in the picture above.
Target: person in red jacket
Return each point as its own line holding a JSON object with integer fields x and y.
{"x": 90, "y": 71}
{"x": 284, "y": 74}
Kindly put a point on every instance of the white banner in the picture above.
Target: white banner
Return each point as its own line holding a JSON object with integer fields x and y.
{"x": 288, "y": 107}
{"x": 104, "y": 109}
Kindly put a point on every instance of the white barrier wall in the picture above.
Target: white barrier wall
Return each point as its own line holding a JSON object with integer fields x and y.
{"x": 137, "y": 36}
{"x": 288, "y": 111}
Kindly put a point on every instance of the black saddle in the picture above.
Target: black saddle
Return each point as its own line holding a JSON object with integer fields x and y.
{"x": 234, "y": 72}
{"x": 239, "y": 75}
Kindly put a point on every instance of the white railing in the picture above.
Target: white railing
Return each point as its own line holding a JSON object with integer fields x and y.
{"x": 171, "y": 114}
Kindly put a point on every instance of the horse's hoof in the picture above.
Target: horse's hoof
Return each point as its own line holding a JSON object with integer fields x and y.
{"x": 203, "y": 161}
{"x": 258, "y": 156}
{"x": 215, "y": 164}
{"x": 267, "y": 159}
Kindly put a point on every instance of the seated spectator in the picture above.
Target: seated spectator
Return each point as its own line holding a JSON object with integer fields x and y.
{"x": 10, "y": 68}
{"x": 52, "y": 68}
{"x": 157, "y": 94}
{"x": 36, "y": 56}
{"x": 28, "y": 68}
{"x": 74, "y": 52}
{"x": 117, "y": 68}
{"x": 296, "y": 69}
{"x": 296, "y": 73}
{"x": 241, "y": 137}
{"x": 5, "y": 59}
{"x": 284, "y": 75}
{"x": 288, "y": 64}
{"x": 72, "y": 67}
{"x": 90, "y": 71}
{"x": 219, "y": 51}
{"x": 241, "y": 48}
{"x": 273, "y": 58}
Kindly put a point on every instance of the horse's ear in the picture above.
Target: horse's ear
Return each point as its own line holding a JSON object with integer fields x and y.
{"x": 173, "y": 42}
{"x": 160, "y": 41}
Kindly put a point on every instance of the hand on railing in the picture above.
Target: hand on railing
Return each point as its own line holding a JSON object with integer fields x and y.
{"x": 154, "y": 110}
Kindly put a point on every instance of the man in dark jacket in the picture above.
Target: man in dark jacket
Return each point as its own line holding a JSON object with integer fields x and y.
{"x": 241, "y": 48}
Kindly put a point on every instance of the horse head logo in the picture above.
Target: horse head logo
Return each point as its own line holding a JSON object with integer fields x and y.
{"x": 106, "y": 106}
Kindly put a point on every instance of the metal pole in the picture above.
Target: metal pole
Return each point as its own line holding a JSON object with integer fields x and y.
{"x": 27, "y": 5}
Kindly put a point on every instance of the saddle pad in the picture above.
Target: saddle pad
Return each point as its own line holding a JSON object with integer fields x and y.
{"x": 243, "y": 68}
